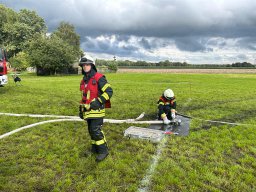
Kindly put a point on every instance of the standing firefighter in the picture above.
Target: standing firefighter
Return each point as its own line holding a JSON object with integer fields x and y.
{"x": 167, "y": 106}
{"x": 96, "y": 93}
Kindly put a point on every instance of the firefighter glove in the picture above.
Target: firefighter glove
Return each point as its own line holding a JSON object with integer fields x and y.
{"x": 95, "y": 104}
{"x": 166, "y": 120}
{"x": 81, "y": 106}
{"x": 81, "y": 113}
{"x": 173, "y": 115}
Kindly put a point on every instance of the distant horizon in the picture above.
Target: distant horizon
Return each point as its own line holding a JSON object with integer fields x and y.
{"x": 177, "y": 62}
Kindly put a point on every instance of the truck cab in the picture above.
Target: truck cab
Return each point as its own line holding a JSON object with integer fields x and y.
{"x": 3, "y": 68}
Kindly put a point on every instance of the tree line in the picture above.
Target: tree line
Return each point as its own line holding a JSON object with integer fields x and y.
{"x": 169, "y": 64}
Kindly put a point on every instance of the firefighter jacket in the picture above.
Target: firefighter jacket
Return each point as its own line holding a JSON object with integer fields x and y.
{"x": 96, "y": 94}
{"x": 165, "y": 103}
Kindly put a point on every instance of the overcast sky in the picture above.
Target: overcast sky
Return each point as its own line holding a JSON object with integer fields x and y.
{"x": 195, "y": 31}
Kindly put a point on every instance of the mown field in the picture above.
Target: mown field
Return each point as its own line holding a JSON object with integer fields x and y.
{"x": 52, "y": 157}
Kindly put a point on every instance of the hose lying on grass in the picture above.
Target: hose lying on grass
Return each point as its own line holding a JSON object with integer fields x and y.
{"x": 212, "y": 121}
{"x": 35, "y": 124}
{"x": 75, "y": 118}
{"x": 71, "y": 118}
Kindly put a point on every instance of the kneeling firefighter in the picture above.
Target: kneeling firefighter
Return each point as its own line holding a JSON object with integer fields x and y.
{"x": 96, "y": 94}
{"x": 167, "y": 106}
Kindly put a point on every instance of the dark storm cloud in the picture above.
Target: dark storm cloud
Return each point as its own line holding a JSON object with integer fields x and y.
{"x": 242, "y": 56}
{"x": 191, "y": 44}
{"x": 129, "y": 45}
{"x": 189, "y": 25}
{"x": 145, "y": 43}
{"x": 122, "y": 38}
{"x": 155, "y": 18}
{"x": 108, "y": 46}
{"x": 247, "y": 42}
{"x": 88, "y": 43}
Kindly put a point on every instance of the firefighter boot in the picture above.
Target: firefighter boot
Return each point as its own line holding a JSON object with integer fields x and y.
{"x": 102, "y": 152}
{"x": 94, "y": 149}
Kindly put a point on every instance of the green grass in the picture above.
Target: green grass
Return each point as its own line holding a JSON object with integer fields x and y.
{"x": 51, "y": 157}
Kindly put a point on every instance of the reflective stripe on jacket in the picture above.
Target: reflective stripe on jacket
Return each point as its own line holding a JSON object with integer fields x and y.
{"x": 90, "y": 91}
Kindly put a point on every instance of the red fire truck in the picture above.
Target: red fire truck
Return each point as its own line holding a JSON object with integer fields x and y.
{"x": 3, "y": 68}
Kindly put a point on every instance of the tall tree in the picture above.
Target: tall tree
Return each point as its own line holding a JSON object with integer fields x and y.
{"x": 50, "y": 55}
{"x": 19, "y": 28}
{"x": 33, "y": 20}
{"x": 6, "y": 16}
{"x": 17, "y": 35}
{"x": 66, "y": 32}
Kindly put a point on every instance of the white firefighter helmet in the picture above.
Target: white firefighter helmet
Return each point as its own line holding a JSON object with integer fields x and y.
{"x": 87, "y": 59}
{"x": 168, "y": 94}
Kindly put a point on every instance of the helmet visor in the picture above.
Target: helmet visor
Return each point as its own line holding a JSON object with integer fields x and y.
{"x": 169, "y": 98}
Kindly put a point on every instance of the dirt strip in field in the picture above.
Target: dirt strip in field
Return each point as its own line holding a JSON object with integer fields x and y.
{"x": 206, "y": 71}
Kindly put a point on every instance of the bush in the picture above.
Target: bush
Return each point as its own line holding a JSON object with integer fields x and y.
{"x": 20, "y": 61}
{"x": 112, "y": 66}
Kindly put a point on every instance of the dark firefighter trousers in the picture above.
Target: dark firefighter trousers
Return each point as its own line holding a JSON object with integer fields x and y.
{"x": 98, "y": 139}
{"x": 167, "y": 111}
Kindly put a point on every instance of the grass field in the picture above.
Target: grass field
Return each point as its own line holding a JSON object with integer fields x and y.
{"x": 51, "y": 157}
